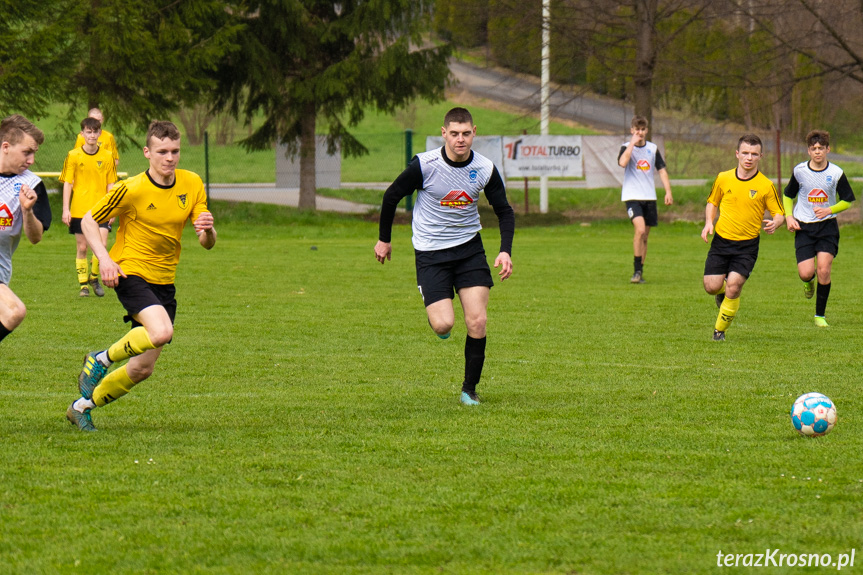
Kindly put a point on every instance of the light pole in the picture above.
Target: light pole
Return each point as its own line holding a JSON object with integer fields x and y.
{"x": 543, "y": 105}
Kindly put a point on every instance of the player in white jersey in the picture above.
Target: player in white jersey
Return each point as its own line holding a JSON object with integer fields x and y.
{"x": 642, "y": 161}
{"x": 24, "y": 208}
{"x": 822, "y": 191}
{"x": 448, "y": 248}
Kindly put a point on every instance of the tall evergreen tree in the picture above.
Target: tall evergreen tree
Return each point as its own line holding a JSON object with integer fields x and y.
{"x": 308, "y": 61}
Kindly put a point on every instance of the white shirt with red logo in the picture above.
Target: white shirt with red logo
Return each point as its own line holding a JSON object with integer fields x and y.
{"x": 445, "y": 214}
{"x": 11, "y": 221}
{"x": 814, "y": 189}
{"x": 638, "y": 177}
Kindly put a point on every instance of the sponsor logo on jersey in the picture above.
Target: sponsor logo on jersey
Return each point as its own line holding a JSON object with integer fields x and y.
{"x": 458, "y": 199}
{"x": 643, "y": 165}
{"x": 473, "y": 175}
{"x": 817, "y": 196}
{"x": 6, "y": 217}
{"x": 151, "y": 207}
{"x": 181, "y": 199}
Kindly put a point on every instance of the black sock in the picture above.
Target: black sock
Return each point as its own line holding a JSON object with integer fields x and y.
{"x": 3, "y": 331}
{"x": 821, "y": 298}
{"x": 637, "y": 264}
{"x": 809, "y": 280}
{"x": 474, "y": 358}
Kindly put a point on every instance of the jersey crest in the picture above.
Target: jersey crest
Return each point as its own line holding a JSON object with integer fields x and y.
{"x": 817, "y": 196}
{"x": 752, "y": 194}
{"x": 6, "y": 217}
{"x": 181, "y": 199}
{"x": 458, "y": 199}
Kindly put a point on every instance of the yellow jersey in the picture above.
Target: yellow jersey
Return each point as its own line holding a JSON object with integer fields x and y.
{"x": 89, "y": 175}
{"x": 742, "y": 204}
{"x": 106, "y": 141}
{"x": 151, "y": 221}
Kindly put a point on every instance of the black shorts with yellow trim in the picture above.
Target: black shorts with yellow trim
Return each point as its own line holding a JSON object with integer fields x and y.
{"x": 75, "y": 226}
{"x": 816, "y": 237}
{"x": 441, "y": 273}
{"x": 136, "y": 294}
{"x": 726, "y": 256}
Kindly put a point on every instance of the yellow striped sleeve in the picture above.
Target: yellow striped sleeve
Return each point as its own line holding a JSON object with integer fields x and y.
{"x": 67, "y": 176}
{"x": 103, "y": 208}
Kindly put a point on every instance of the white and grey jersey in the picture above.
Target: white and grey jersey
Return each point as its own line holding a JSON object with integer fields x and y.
{"x": 11, "y": 218}
{"x": 445, "y": 214}
{"x": 813, "y": 189}
{"x": 638, "y": 177}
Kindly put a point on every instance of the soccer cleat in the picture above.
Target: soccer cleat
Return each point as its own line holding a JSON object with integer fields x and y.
{"x": 469, "y": 398}
{"x": 718, "y": 335}
{"x": 636, "y": 278}
{"x": 445, "y": 336}
{"x": 90, "y": 376}
{"x": 820, "y": 321}
{"x": 85, "y": 291}
{"x": 97, "y": 287}
{"x": 809, "y": 288}
{"x": 720, "y": 297}
{"x": 83, "y": 420}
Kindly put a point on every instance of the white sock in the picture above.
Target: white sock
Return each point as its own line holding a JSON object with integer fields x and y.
{"x": 102, "y": 357}
{"x": 81, "y": 405}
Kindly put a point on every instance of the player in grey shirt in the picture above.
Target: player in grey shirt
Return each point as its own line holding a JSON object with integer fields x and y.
{"x": 449, "y": 253}
{"x": 822, "y": 191}
{"x": 24, "y": 208}
{"x": 642, "y": 162}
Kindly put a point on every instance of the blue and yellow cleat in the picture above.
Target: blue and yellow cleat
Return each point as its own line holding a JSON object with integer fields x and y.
{"x": 469, "y": 398}
{"x": 82, "y": 420}
{"x": 90, "y": 376}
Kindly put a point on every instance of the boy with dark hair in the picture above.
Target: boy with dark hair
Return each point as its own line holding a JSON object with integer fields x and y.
{"x": 741, "y": 196}
{"x": 822, "y": 191}
{"x": 88, "y": 174}
{"x": 642, "y": 161}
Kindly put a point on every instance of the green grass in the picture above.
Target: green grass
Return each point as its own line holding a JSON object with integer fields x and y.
{"x": 305, "y": 418}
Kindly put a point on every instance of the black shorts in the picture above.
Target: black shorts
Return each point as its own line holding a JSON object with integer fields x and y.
{"x": 75, "y": 226}
{"x": 441, "y": 273}
{"x": 816, "y": 237}
{"x": 644, "y": 209}
{"x": 726, "y": 256}
{"x": 135, "y": 294}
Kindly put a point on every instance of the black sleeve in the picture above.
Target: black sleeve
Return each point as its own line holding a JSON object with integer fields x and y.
{"x": 495, "y": 192}
{"x": 660, "y": 163}
{"x": 42, "y": 207}
{"x": 620, "y": 153}
{"x": 843, "y": 189}
{"x": 792, "y": 187}
{"x": 404, "y": 185}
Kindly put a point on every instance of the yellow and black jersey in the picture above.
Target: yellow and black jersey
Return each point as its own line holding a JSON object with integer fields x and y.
{"x": 106, "y": 142}
{"x": 151, "y": 221}
{"x": 742, "y": 204}
{"x": 89, "y": 175}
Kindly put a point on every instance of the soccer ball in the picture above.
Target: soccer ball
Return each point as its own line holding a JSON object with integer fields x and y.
{"x": 813, "y": 414}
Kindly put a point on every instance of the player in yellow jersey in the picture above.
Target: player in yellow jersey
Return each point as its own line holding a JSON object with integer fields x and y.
{"x": 88, "y": 173}
{"x": 106, "y": 139}
{"x": 741, "y": 195}
{"x": 152, "y": 208}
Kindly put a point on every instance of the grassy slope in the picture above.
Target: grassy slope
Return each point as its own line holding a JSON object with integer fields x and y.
{"x": 305, "y": 419}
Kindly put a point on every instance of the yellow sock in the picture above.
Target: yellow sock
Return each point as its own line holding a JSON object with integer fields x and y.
{"x": 726, "y": 313}
{"x": 81, "y": 268}
{"x": 94, "y": 268}
{"x": 724, "y": 283}
{"x": 135, "y": 342}
{"x": 115, "y": 385}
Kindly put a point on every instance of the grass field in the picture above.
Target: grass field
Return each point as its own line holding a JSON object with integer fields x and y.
{"x": 305, "y": 418}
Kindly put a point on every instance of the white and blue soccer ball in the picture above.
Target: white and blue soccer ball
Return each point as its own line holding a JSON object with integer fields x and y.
{"x": 813, "y": 414}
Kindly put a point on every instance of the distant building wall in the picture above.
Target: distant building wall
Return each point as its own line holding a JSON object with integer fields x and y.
{"x": 328, "y": 168}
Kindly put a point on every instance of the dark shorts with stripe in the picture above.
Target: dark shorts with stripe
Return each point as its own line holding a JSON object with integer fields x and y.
{"x": 726, "y": 256}
{"x": 441, "y": 273}
{"x": 75, "y": 226}
{"x": 135, "y": 294}
{"x": 816, "y": 237}
{"x": 645, "y": 209}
